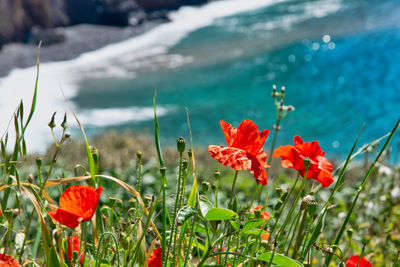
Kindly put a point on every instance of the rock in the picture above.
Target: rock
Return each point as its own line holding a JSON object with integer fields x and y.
{"x": 47, "y": 36}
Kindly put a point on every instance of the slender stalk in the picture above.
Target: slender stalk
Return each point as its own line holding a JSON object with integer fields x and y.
{"x": 164, "y": 216}
{"x": 273, "y": 254}
{"x": 233, "y": 188}
{"x": 283, "y": 206}
{"x": 397, "y": 258}
{"x": 288, "y": 216}
{"x": 300, "y": 234}
{"x": 343, "y": 227}
{"x": 190, "y": 241}
{"x": 292, "y": 227}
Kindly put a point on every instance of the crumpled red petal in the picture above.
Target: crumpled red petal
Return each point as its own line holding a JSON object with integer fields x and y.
{"x": 353, "y": 260}
{"x": 8, "y": 261}
{"x": 155, "y": 259}
{"x": 230, "y": 156}
{"x": 74, "y": 245}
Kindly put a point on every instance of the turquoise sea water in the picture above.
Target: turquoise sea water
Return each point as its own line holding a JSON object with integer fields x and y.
{"x": 339, "y": 62}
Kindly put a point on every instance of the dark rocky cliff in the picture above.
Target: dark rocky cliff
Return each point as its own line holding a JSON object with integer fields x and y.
{"x": 27, "y": 20}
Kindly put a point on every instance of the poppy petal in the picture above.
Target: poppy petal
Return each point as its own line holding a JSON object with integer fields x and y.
{"x": 8, "y": 261}
{"x": 66, "y": 218}
{"x": 247, "y": 134}
{"x": 230, "y": 156}
{"x": 80, "y": 200}
{"x": 155, "y": 259}
{"x": 353, "y": 260}
{"x": 258, "y": 170}
{"x": 229, "y": 132}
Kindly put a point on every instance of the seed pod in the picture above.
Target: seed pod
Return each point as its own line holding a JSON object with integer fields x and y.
{"x": 180, "y": 144}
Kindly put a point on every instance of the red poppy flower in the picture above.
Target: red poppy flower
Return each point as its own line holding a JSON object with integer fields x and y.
{"x": 74, "y": 244}
{"x": 320, "y": 168}
{"x": 8, "y": 261}
{"x": 244, "y": 150}
{"x": 155, "y": 259}
{"x": 78, "y": 203}
{"x": 353, "y": 260}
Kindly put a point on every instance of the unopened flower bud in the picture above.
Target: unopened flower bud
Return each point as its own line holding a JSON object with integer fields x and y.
{"x": 205, "y": 186}
{"x": 111, "y": 201}
{"x": 64, "y": 124}
{"x": 278, "y": 204}
{"x": 52, "y": 124}
{"x": 312, "y": 208}
{"x": 257, "y": 213}
{"x": 39, "y": 161}
{"x": 132, "y": 202}
{"x": 305, "y": 201}
{"x": 163, "y": 169}
{"x": 147, "y": 200}
{"x": 350, "y": 233}
{"x": 67, "y": 135}
{"x": 139, "y": 154}
{"x": 180, "y": 144}
{"x": 190, "y": 153}
{"x": 30, "y": 178}
{"x": 274, "y": 93}
{"x": 279, "y": 191}
{"x": 217, "y": 174}
{"x": 9, "y": 214}
{"x": 119, "y": 203}
{"x": 15, "y": 213}
{"x": 306, "y": 162}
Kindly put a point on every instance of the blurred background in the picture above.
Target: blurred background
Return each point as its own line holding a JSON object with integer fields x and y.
{"x": 338, "y": 59}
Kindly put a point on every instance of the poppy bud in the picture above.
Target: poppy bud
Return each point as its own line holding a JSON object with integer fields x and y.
{"x": 67, "y": 135}
{"x": 124, "y": 241}
{"x": 312, "y": 207}
{"x": 205, "y": 186}
{"x": 119, "y": 203}
{"x": 147, "y": 200}
{"x": 276, "y": 214}
{"x": 350, "y": 232}
{"x": 180, "y": 144}
{"x": 52, "y": 123}
{"x": 64, "y": 124}
{"x": 163, "y": 169}
{"x": 95, "y": 153}
{"x": 190, "y": 153}
{"x": 75, "y": 255}
{"x": 139, "y": 154}
{"x": 257, "y": 213}
{"x": 184, "y": 164}
{"x": 307, "y": 162}
{"x": 111, "y": 201}
{"x": 305, "y": 202}
{"x": 104, "y": 210}
{"x": 216, "y": 174}
{"x": 9, "y": 214}
{"x": 132, "y": 202}
{"x": 279, "y": 191}
{"x": 39, "y": 161}
{"x": 285, "y": 194}
{"x": 278, "y": 204}
{"x": 30, "y": 178}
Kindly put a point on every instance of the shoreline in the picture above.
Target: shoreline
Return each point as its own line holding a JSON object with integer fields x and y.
{"x": 79, "y": 39}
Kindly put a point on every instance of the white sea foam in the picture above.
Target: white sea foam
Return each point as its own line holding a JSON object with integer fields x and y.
{"x": 105, "y": 62}
{"x": 116, "y": 116}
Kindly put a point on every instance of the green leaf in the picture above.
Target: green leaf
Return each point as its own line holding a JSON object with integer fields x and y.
{"x": 256, "y": 232}
{"x": 205, "y": 205}
{"x": 185, "y": 213}
{"x": 157, "y": 133}
{"x": 235, "y": 225}
{"x": 279, "y": 259}
{"x": 219, "y": 214}
{"x": 253, "y": 224}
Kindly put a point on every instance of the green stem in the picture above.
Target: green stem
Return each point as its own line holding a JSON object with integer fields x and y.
{"x": 273, "y": 254}
{"x": 233, "y": 188}
{"x": 300, "y": 234}
{"x": 276, "y": 127}
{"x": 343, "y": 227}
{"x": 98, "y": 260}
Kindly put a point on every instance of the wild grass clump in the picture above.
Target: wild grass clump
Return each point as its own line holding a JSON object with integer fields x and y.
{"x": 122, "y": 201}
